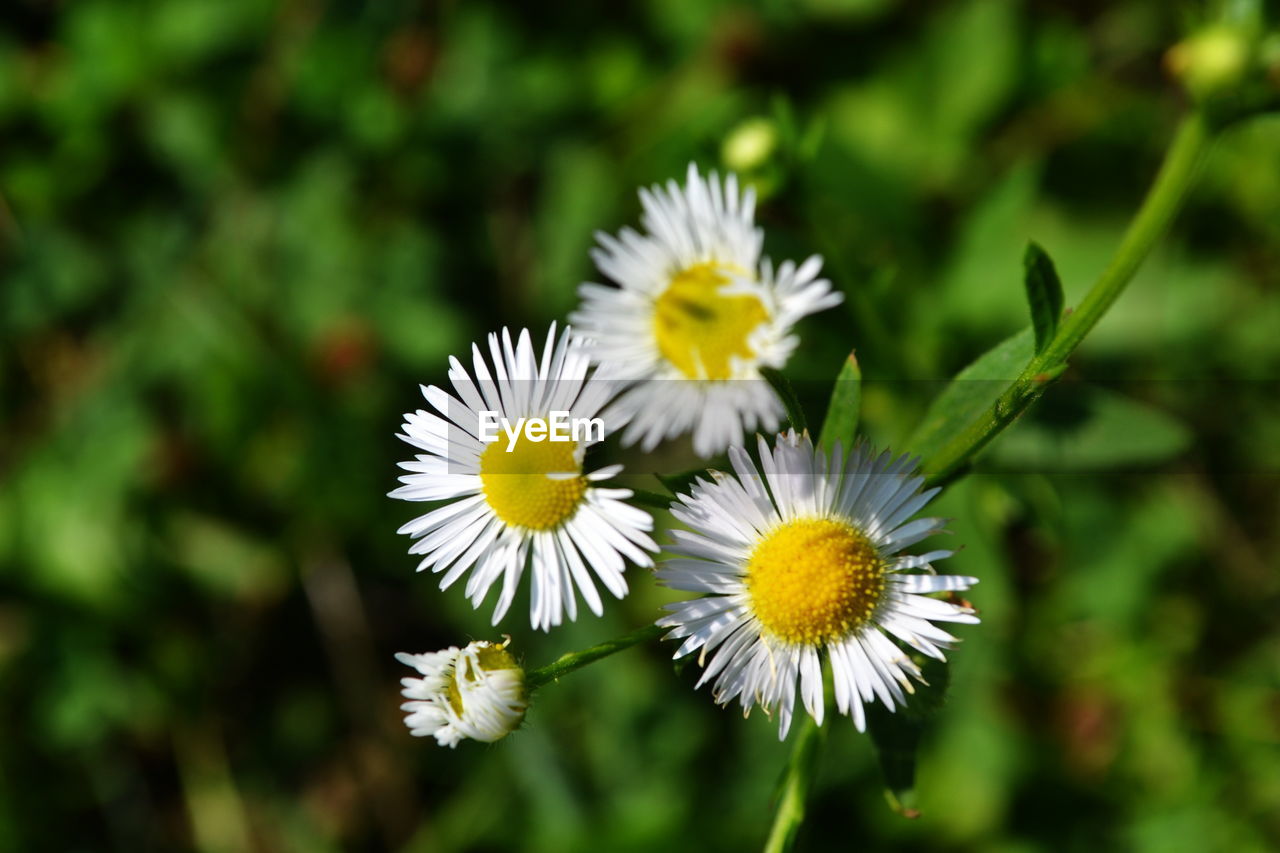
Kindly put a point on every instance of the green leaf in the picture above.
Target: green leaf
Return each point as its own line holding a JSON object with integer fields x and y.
{"x": 896, "y": 734}
{"x": 1091, "y": 429}
{"x": 654, "y": 500}
{"x": 841, "y": 423}
{"x": 682, "y": 482}
{"x": 787, "y": 395}
{"x": 1044, "y": 293}
{"x": 974, "y": 389}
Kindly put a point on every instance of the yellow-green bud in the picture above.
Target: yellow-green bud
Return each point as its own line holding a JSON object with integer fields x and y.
{"x": 1212, "y": 61}
{"x": 749, "y": 145}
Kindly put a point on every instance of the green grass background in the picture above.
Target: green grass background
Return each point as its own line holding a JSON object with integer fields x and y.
{"x": 235, "y": 235}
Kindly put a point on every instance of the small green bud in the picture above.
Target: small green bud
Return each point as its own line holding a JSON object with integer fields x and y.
{"x": 476, "y": 693}
{"x": 750, "y": 144}
{"x": 1213, "y": 61}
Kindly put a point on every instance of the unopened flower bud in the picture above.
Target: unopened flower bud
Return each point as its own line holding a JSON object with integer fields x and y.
{"x": 750, "y": 145}
{"x": 1212, "y": 61}
{"x": 475, "y": 692}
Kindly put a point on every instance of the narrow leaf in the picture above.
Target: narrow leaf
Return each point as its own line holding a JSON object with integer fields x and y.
{"x": 971, "y": 392}
{"x": 682, "y": 482}
{"x": 897, "y": 734}
{"x": 896, "y": 739}
{"x": 841, "y": 423}
{"x": 787, "y": 395}
{"x": 654, "y": 500}
{"x": 1044, "y": 293}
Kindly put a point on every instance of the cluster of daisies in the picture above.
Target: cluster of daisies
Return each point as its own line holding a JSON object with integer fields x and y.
{"x": 789, "y": 558}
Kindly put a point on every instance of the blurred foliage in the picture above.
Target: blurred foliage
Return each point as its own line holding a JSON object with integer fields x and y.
{"x": 235, "y": 235}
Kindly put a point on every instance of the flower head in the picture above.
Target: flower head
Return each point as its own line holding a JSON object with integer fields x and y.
{"x": 802, "y": 559}
{"x": 696, "y": 313}
{"x": 476, "y": 692}
{"x": 515, "y": 497}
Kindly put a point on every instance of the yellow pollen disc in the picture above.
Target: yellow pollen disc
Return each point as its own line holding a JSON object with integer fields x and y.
{"x": 698, "y": 329}
{"x": 518, "y": 489}
{"x": 814, "y": 580}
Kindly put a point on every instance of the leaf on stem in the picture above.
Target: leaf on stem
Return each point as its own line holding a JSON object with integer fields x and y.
{"x": 896, "y": 735}
{"x": 841, "y": 423}
{"x": 654, "y": 500}
{"x": 682, "y": 482}
{"x": 1044, "y": 294}
{"x": 787, "y": 395}
{"x": 973, "y": 390}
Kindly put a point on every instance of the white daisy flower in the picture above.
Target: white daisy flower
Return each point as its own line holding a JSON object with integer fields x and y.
{"x": 518, "y": 496}
{"x": 696, "y": 305}
{"x": 802, "y": 560}
{"x": 476, "y": 692}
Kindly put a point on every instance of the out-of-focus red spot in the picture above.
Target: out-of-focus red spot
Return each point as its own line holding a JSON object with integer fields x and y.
{"x": 345, "y": 352}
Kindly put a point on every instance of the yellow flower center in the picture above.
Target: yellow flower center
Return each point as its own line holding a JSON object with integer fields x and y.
{"x": 517, "y": 485}
{"x": 814, "y": 580}
{"x": 698, "y": 329}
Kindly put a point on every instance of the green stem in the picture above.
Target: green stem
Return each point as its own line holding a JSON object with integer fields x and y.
{"x": 1162, "y": 202}
{"x": 801, "y": 768}
{"x": 1158, "y": 209}
{"x": 567, "y": 663}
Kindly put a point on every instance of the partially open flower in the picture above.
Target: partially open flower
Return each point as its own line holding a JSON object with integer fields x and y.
{"x": 476, "y": 692}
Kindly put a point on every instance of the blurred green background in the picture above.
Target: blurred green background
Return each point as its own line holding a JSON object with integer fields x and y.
{"x": 235, "y": 235}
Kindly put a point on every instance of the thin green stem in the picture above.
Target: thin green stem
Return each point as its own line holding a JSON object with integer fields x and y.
{"x": 1158, "y": 208}
{"x": 801, "y": 768}
{"x": 567, "y": 663}
{"x": 1162, "y": 202}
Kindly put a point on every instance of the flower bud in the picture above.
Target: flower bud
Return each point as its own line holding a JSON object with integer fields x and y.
{"x": 750, "y": 145}
{"x": 1212, "y": 61}
{"x": 475, "y": 692}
